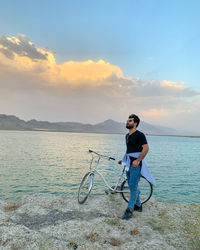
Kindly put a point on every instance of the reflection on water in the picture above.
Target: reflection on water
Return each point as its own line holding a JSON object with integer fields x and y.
{"x": 53, "y": 162}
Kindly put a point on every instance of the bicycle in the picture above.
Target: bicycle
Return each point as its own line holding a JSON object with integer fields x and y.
{"x": 121, "y": 186}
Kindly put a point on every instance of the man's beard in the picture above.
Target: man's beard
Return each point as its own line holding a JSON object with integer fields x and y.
{"x": 129, "y": 126}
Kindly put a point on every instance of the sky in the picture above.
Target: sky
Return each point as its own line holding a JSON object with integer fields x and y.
{"x": 88, "y": 61}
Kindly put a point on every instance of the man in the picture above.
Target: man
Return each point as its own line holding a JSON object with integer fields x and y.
{"x": 137, "y": 149}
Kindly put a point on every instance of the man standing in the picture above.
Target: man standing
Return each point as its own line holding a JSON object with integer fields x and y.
{"x": 137, "y": 149}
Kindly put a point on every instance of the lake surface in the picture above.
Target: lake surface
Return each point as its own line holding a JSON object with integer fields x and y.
{"x": 55, "y": 162}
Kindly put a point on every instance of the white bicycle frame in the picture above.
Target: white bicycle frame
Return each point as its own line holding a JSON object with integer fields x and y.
{"x": 109, "y": 169}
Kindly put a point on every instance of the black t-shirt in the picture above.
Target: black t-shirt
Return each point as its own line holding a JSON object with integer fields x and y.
{"x": 135, "y": 141}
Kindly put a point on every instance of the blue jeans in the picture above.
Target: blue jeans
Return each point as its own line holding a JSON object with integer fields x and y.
{"x": 133, "y": 177}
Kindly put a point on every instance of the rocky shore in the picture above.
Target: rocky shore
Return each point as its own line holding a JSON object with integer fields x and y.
{"x": 59, "y": 222}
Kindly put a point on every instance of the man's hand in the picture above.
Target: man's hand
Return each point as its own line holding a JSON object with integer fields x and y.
{"x": 136, "y": 163}
{"x": 120, "y": 162}
{"x": 145, "y": 149}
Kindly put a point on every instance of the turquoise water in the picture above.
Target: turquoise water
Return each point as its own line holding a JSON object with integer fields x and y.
{"x": 51, "y": 162}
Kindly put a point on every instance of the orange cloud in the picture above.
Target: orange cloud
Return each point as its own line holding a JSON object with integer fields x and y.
{"x": 173, "y": 85}
{"x": 20, "y": 54}
{"x": 82, "y": 72}
{"x": 154, "y": 113}
{"x": 20, "y": 57}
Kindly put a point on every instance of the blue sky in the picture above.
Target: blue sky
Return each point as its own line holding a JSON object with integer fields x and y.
{"x": 148, "y": 40}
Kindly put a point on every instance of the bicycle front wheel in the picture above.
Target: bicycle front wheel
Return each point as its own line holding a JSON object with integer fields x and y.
{"x": 145, "y": 187}
{"x": 85, "y": 187}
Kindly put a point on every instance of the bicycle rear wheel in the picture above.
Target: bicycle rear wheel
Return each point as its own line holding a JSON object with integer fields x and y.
{"x": 85, "y": 187}
{"x": 145, "y": 187}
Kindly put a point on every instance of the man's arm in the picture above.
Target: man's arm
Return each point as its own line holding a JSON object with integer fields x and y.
{"x": 145, "y": 149}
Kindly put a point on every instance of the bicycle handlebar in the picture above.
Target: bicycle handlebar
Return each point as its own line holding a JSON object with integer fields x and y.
{"x": 108, "y": 157}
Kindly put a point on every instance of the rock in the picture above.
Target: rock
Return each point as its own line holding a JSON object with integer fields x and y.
{"x": 44, "y": 221}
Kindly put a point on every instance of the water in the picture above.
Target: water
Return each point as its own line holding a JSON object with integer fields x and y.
{"x": 51, "y": 162}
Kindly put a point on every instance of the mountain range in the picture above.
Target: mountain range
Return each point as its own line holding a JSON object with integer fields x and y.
{"x": 10, "y": 122}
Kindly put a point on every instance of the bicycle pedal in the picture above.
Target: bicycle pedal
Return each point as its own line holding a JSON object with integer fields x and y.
{"x": 107, "y": 192}
{"x": 113, "y": 192}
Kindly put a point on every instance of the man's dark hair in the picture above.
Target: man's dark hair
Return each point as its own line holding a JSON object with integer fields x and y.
{"x": 136, "y": 119}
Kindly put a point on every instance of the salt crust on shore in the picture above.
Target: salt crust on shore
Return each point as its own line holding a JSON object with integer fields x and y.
{"x": 57, "y": 222}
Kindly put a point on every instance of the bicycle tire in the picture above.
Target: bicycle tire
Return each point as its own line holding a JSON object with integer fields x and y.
{"x": 85, "y": 187}
{"x": 146, "y": 190}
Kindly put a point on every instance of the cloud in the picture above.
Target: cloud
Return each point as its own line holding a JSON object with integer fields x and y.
{"x": 143, "y": 88}
{"x": 82, "y": 73}
{"x": 154, "y": 113}
{"x": 20, "y": 56}
{"x": 20, "y": 46}
{"x": 33, "y": 84}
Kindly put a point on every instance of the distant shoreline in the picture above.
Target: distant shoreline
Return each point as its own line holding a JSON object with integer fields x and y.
{"x": 191, "y": 136}
{"x": 82, "y": 132}
{"x": 109, "y": 126}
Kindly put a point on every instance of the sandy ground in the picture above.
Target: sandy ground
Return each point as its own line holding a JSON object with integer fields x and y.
{"x": 58, "y": 222}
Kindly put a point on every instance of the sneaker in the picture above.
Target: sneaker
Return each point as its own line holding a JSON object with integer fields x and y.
{"x": 138, "y": 208}
{"x": 128, "y": 214}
